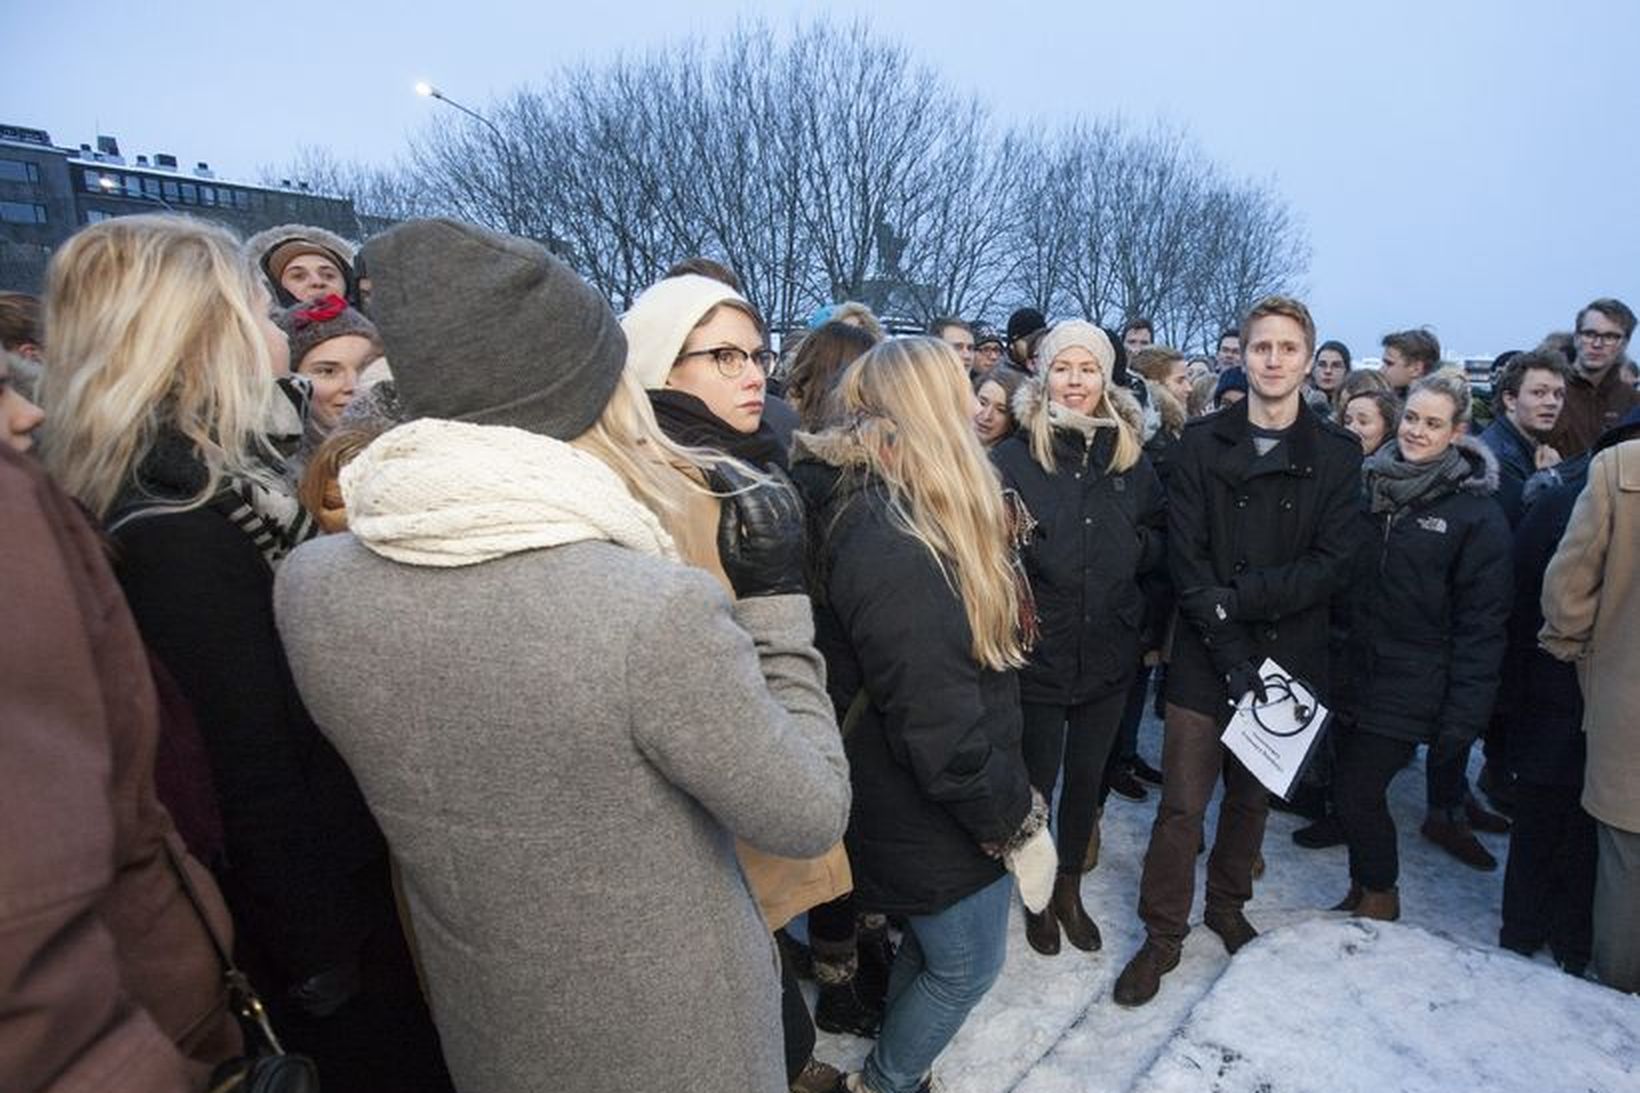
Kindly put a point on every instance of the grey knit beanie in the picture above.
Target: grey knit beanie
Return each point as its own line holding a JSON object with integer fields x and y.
{"x": 314, "y": 322}
{"x": 491, "y": 329}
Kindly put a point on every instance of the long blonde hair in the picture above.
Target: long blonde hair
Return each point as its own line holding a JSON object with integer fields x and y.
{"x": 909, "y": 408}
{"x": 151, "y": 324}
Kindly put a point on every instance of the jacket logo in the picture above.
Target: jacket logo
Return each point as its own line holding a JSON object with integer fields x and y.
{"x": 1432, "y": 523}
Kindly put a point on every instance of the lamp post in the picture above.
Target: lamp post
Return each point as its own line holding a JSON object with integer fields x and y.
{"x": 428, "y": 91}
{"x": 113, "y": 189}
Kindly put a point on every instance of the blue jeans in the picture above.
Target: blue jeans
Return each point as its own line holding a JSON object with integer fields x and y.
{"x": 945, "y": 965}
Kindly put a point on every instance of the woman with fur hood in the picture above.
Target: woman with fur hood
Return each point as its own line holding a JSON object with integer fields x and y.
{"x": 1428, "y": 613}
{"x": 1096, "y": 520}
{"x": 303, "y": 262}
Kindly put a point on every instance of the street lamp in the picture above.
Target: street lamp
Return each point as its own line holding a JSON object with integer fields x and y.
{"x": 113, "y": 189}
{"x": 428, "y": 91}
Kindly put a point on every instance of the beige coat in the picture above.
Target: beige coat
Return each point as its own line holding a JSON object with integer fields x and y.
{"x": 784, "y": 887}
{"x": 1591, "y": 611}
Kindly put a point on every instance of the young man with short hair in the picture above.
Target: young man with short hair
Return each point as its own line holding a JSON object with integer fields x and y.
{"x": 1528, "y": 399}
{"x": 1596, "y": 396}
{"x": 1262, "y": 523}
{"x": 1409, "y": 356}
{"x": 1138, "y": 334}
{"x": 958, "y": 335}
{"x": 1228, "y": 352}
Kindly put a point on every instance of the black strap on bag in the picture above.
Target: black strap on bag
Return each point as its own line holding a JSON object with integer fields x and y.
{"x": 267, "y": 1068}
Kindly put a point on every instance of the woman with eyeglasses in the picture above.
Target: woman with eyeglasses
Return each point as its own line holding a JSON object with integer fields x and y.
{"x": 697, "y": 345}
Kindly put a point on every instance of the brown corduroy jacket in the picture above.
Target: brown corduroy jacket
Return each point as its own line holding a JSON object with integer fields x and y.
{"x": 107, "y": 978}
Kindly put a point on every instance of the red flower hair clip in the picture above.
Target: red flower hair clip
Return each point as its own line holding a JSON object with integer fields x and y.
{"x": 321, "y": 310}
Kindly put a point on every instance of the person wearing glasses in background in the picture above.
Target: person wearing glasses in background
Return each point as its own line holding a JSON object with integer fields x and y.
{"x": 988, "y": 348}
{"x": 1596, "y": 396}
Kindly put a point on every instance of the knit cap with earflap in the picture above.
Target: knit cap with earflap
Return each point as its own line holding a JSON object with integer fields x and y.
{"x": 491, "y": 329}
{"x": 659, "y": 322}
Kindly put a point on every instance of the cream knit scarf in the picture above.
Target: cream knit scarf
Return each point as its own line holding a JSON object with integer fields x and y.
{"x": 446, "y": 493}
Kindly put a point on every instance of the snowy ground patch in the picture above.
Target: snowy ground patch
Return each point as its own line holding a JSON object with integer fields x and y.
{"x": 1349, "y": 1005}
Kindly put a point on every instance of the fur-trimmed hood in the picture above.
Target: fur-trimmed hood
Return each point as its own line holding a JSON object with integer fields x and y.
{"x": 1030, "y": 402}
{"x": 258, "y": 245}
{"x": 829, "y": 447}
{"x": 1483, "y": 478}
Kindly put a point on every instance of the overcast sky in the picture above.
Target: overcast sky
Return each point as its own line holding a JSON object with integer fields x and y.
{"x": 1467, "y": 165}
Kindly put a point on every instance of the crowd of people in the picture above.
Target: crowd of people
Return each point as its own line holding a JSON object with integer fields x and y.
{"x": 415, "y": 667}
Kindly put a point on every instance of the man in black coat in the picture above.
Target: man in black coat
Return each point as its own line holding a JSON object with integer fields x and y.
{"x": 1263, "y": 521}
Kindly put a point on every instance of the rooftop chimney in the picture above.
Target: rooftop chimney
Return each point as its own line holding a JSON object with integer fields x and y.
{"x": 142, "y": 161}
{"x": 165, "y": 161}
{"x": 203, "y": 170}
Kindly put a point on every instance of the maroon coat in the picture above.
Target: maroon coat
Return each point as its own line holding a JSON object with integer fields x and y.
{"x": 107, "y": 978}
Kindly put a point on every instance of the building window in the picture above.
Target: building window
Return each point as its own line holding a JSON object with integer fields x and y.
{"x": 97, "y": 216}
{"x": 207, "y": 195}
{"x": 169, "y": 188}
{"x": 133, "y": 185}
{"x": 18, "y": 212}
{"x": 150, "y": 186}
{"x": 190, "y": 193}
{"x": 242, "y": 200}
{"x": 16, "y": 170}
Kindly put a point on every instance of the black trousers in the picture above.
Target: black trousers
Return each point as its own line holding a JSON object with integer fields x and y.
{"x": 1367, "y": 763}
{"x": 795, "y": 1023}
{"x": 1077, "y": 739}
{"x": 1548, "y": 885}
{"x": 1446, "y": 781}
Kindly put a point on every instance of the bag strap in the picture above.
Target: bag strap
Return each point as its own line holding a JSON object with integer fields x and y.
{"x": 242, "y": 997}
{"x": 856, "y": 710}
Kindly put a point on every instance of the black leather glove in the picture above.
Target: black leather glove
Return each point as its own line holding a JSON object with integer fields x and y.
{"x": 1244, "y": 677}
{"x": 761, "y": 533}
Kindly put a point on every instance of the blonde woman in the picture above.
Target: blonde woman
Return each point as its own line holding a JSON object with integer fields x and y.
{"x": 918, "y": 613}
{"x": 160, "y": 383}
{"x": 1077, "y": 465}
{"x": 562, "y": 726}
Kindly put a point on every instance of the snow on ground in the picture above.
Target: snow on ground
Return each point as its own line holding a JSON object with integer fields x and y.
{"x": 1351, "y": 1005}
{"x": 1049, "y": 1025}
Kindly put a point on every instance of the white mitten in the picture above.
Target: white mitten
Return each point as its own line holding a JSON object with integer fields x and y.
{"x": 1034, "y": 863}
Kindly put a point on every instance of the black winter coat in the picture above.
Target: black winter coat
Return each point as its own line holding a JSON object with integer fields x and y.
{"x": 1279, "y": 530}
{"x": 935, "y": 756}
{"x": 1096, "y": 531}
{"x": 1428, "y": 617}
{"x": 297, "y": 828}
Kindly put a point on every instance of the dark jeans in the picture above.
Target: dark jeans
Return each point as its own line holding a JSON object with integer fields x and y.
{"x": 1367, "y": 763}
{"x": 1192, "y": 761}
{"x": 1077, "y": 738}
{"x": 1133, "y": 713}
{"x": 1446, "y": 782}
{"x": 1548, "y": 885}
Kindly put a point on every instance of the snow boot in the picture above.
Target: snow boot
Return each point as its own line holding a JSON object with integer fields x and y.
{"x": 1124, "y": 784}
{"x": 1325, "y": 832}
{"x": 1042, "y": 931}
{"x": 1384, "y": 906}
{"x": 1145, "y": 772}
{"x": 818, "y": 1077}
{"x": 1231, "y": 926}
{"x": 1066, "y": 906}
{"x": 839, "y": 1007}
{"x": 876, "y": 958}
{"x": 1351, "y": 901}
{"x": 1142, "y": 977}
{"x": 1456, "y": 838}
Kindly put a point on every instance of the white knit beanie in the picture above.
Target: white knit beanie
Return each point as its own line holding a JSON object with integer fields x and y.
{"x": 660, "y": 321}
{"x": 1073, "y": 332}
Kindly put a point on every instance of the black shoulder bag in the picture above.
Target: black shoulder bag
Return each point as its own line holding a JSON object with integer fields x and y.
{"x": 266, "y": 1068}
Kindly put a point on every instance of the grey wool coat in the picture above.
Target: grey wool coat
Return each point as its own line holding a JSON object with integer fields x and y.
{"x": 561, "y": 746}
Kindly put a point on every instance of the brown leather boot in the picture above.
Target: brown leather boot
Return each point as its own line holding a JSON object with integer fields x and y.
{"x": 1066, "y": 906}
{"x": 1142, "y": 977}
{"x": 1042, "y": 931}
{"x": 1351, "y": 901}
{"x": 1456, "y": 838}
{"x": 1384, "y": 906}
{"x": 1231, "y": 926}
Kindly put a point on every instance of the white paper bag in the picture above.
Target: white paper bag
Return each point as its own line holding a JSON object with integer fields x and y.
{"x": 1273, "y": 739}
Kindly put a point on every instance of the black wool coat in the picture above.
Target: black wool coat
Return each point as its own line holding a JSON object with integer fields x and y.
{"x": 1279, "y": 530}
{"x": 1095, "y": 532}
{"x": 935, "y": 755}
{"x": 1428, "y": 618}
